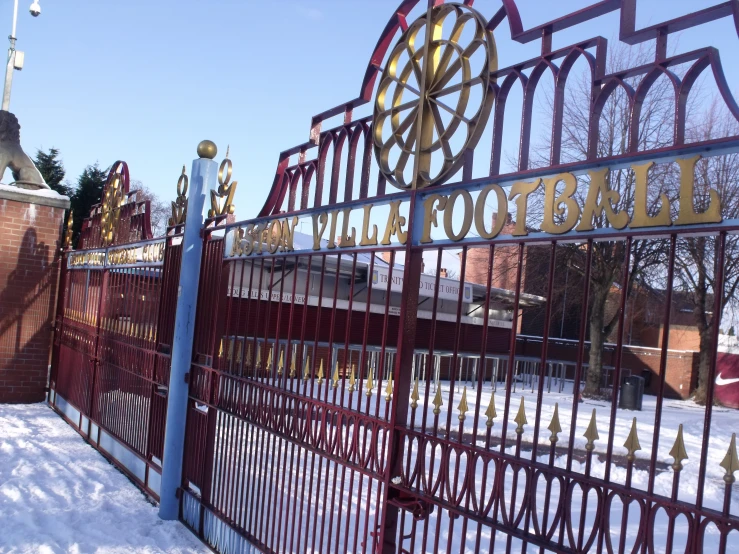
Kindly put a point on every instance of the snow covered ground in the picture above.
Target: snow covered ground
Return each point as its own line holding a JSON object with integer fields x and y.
{"x": 57, "y": 494}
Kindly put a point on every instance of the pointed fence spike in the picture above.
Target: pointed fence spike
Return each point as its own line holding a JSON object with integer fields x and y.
{"x": 463, "y": 408}
{"x": 259, "y": 357}
{"x": 248, "y": 353}
{"x": 554, "y": 426}
{"x": 520, "y": 418}
{"x": 269, "y": 360}
{"x": 414, "y": 395}
{"x": 369, "y": 384}
{"x": 632, "y": 442}
{"x": 292, "y": 367}
{"x": 730, "y": 462}
{"x": 281, "y": 363}
{"x": 389, "y": 389}
{"x": 591, "y": 433}
{"x": 490, "y": 412}
{"x": 306, "y": 369}
{"x": 319, "y": 381}
{"x": 678, "y": 450}
{"x": 438, "y": 403}
{"x": 336, "y": 375}
{"x": 352, "y": 380}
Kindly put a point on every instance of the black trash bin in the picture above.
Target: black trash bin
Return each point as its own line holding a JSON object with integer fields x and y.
{"x": 632, "y": 393}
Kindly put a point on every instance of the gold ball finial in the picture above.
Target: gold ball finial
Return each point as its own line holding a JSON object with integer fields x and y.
{"x": 207, "y": 149}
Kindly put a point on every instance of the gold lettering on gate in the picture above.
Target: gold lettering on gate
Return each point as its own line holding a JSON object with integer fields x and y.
{"x": 347, "y": 240}
{"x": 429, "y": 215}
{"x": 449, "y": 212}
{"x": 561, "y": 213}
{"x": 522, "y": 190}
{"x": 686, "y": 213}
{"x": 321, "y": 218}
{"x": 553, "y": 205}
{"x": 366, "y": 239}
{"x": 641, "y": 218}
{"x": 501, "y": 216}
{"x": 395, "y": 223}
{"x": 601, "y": 199}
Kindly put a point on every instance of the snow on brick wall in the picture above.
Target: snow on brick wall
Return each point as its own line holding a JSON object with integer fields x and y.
{"x": 30, "y": 238}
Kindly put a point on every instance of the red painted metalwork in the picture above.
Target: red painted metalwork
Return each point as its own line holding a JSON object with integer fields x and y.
{"x": 406, "y": 480}
{"x": 113, "y": 335}
{"x": 315, "y": 427}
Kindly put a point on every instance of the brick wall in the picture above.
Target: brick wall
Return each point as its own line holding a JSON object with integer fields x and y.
{"x": 29, "y": 264}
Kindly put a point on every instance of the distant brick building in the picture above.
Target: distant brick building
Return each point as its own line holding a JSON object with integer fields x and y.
{"x": 643, "y": 322}
{"x": 31, "y": 223}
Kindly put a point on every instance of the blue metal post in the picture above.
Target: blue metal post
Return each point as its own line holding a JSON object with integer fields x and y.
{"x": 203, "y": 178}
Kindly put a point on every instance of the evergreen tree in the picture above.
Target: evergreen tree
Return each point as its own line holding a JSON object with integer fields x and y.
{"x": 52, "y": 170}
{"x": 88, "y": 193}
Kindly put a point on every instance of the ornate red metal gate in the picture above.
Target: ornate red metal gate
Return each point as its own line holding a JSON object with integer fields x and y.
{"x": 349, "y": 393}
{"x": 113, "y": 335}
{"x": 344, "y": 398}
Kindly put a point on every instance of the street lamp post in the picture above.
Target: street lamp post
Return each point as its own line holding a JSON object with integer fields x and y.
{"x": 15, "y": 58}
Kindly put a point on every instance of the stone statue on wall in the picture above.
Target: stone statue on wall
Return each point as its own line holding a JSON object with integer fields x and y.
{"x": 12, "y": 156}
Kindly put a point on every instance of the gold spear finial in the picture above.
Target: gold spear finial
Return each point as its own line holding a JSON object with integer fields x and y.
{"x": 730, "y": 462}
{"x": 259, "y": 357}
{"x": 306, "y": 370}
{"x": 352, "y": 380}
{"x": 554, "y": 427}
{"x": 269, "y": 359}
{"x": 239, "y": 346}
{"x": 292, "y": 367}
{"x": 632, "y": 442}
{"x": 220, "y": 349}
{"x": 591, "y": 433}
{"x": 490, "y": 412}
{"x": 281, "y": 363}
{"x": 319, "y": 381}
{"x": 248, "y": 353}
{"x": 678, "y": 450}
{"x": 437, "y": 402}
{"x": 336, "y": 375}
{"x": 369, "y": 384}
{"x": 520, "y": 418}
{"x": 389, "y": 388}
{"x": 414, "y": 394}
{"x": 463, "y": 408}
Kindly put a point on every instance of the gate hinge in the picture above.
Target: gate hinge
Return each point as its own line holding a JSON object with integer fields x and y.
{"x": 419, "y": 509}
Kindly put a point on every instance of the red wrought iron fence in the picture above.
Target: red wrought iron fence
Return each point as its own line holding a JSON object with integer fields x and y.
{"x": 113, "y": 332}
{"x": 358, "y": 382}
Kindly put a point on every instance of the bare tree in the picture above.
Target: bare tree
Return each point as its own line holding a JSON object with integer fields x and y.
{"x": 696, "y": 258}
{"x": 159, "y": 211}
{"x": 609, "y": 257}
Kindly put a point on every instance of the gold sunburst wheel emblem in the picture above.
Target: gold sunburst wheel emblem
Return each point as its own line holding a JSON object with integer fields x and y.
{"x": 434, "y": 97}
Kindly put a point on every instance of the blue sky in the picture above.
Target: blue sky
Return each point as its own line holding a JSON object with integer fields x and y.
{"x": 145, "y": 81}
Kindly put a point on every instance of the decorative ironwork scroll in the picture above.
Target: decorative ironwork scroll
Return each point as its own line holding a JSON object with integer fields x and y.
{"x": 120, "y": 218}
{"x": 114, "y": 196}
{"x": 221, "y": 201}
{"x": 179, "y": 206}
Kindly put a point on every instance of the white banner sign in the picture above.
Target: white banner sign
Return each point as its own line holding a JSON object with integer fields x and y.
{"x": 448, "y": 288}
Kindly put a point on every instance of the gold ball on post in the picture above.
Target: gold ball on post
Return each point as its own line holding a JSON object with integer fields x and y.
{"x": 207, "y": 149}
